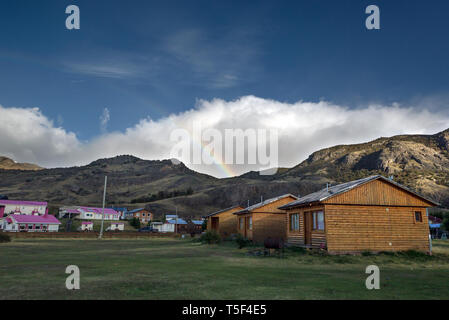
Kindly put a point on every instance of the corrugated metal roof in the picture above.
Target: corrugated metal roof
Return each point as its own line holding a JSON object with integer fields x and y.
{"x": 136, "y": 210}
{"x": 220, "y": 211}
{"x": 49, "y": 219}
{"x": 173, "y": 221}
{"x": 199, "y": 222}
{"x": 327, "y": 193}
{"x": 264, "y": 203}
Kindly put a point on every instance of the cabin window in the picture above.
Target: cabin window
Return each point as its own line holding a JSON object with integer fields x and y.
{"x": 294, "y": 222}
{"x": 242, "y": 223}
{"x": 250, "y": 223}
{"x": 418, "y": 216}
{"x": 318, "y": 220}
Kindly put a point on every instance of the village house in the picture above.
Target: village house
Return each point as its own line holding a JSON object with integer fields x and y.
{"x": 194, "y": 226}
{"x": 116, "y": 226}
{"x": 22, "y": 207}
{"x": 30, "y": 223}
{"x": 224, "y": 222}
{"x": 142, "y": 214}
{"x": 171, "y": 224}
{"x": 89, "y": 213}
{"x": 86, "y": 226}
{"x": 371, "y": 214}
{"x": 33, "y": 216}
{"x": 68, "y": 212}
{"x": 264, "y": 220}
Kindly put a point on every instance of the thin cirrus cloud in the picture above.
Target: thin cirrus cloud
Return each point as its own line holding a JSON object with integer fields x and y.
{"x": 27, "y": 135}
{"x": 188, "y": 57}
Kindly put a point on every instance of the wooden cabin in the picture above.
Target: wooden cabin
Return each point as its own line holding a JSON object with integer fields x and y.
{"x": 223, "y": 221}
{"x": 371, "y": 214}
{"x": 264, "y": 220}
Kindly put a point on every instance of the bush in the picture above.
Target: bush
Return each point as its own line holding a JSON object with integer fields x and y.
{"x": 446, "y": 223}
{"x": 4, "y": 238}
{"x": 210, "y": 237}
{"x": 135, "y": 223}
{"x": 242, "y": 241}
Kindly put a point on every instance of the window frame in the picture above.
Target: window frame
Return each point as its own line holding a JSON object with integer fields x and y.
{"x": 294, "y": 222}
{"x": 315, "y": 220}
{"x": 420, "y": 217}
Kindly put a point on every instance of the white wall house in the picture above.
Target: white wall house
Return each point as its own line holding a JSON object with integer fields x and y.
{"x": 30, "y": 223}
{"x": 88, "y": 213}
{"x": 22, "y": 207}
{"x": 169, "y": 225}
{"x": 116, "y": 226}
{"x": 86, "y": 226}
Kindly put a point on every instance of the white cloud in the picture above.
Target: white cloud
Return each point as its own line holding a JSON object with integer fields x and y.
{"x": 304, "y": 127}
{"x": 104, "y": 119}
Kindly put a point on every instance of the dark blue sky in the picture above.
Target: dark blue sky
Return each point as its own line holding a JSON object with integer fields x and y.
{"x": 150, "y": 59}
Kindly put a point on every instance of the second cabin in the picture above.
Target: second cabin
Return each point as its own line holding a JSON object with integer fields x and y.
{"x": 264, "y": 220}
{"x": 371, "y": 214}
{"x": 223, "y": 221}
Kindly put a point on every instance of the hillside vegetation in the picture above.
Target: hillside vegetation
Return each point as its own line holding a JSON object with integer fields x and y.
{"x": 420, "y": 162}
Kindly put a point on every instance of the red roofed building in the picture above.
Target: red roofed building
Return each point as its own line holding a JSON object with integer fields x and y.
{"x": 31, "y": 223}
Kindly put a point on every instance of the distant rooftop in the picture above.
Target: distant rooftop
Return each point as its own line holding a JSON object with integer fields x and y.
{"x": 22, "y": 203}
{"x": 264, "y": 203}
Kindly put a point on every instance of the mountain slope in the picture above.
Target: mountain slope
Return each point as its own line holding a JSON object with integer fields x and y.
{"x": 420, "y": 162}
{"x": 8, "y": 164}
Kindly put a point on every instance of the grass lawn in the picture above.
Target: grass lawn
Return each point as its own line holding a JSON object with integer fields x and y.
{"x": 181, "y": 269}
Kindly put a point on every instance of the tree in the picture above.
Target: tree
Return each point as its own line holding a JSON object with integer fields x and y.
{"x": 135, "y": 222}
{"x": 446, "y": 223}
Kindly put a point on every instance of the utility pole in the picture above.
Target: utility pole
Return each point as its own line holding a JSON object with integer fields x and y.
{"x": 176, "y": 225}
{"x": 102, "y": 213}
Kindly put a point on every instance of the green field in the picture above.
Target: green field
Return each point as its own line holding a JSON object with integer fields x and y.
{"x": 182, "y": 269}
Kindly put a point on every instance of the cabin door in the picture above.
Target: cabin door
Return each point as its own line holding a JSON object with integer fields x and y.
{"x": 215, "y": 222}
{"x": 308, "y": 228}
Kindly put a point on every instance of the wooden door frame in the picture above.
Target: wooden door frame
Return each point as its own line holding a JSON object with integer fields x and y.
{"x": 308, "y": 227}
{"x": 215, "y": 223}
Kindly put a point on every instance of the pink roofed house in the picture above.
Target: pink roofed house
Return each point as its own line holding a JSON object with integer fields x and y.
{"x": 22, "y": 207}
{"x": 91, "y": 213}
{"x": 31, "y": 223}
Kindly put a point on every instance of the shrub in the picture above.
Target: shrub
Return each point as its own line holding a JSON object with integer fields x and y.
{"x": 210, "y": 237}
{"x": 4, "y": 238}
{"x": 241, "y": 241}
{"x": 135, "y": 223}
{"x": 297, "y": 250}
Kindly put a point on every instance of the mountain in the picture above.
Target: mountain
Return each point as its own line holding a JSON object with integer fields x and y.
{"x": 8, "y": 164}
{"x": 420, "y": 162}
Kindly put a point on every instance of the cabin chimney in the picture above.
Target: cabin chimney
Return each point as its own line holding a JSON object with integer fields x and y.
{"x": 248, "y": 203}
{"x": 261, "y": 198}
{"x": 327, "y": 186}
{"x": 391, "y": 178}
